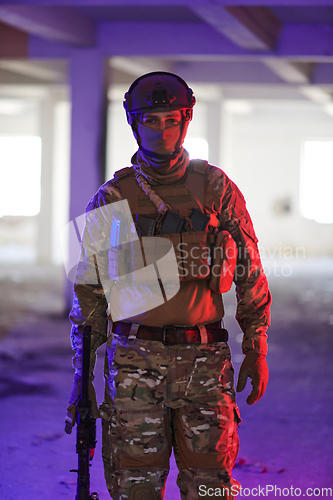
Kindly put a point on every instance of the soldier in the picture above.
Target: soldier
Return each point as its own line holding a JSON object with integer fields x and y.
{"x": 168, "y": 372}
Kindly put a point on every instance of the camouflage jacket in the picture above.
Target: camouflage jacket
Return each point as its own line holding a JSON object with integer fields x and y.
{"x": 222, "y": 198}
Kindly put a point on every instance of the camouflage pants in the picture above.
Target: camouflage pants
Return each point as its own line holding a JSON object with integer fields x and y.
{"x": 158, "y": 397}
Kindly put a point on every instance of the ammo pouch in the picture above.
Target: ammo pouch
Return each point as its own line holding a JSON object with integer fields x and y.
{"x": 192, "y": 254}
{"x": 196, "y": 258}
{"x": 132, "y": 261}
{"x": 224, "y": 259}
{"x": 191, "y": 249}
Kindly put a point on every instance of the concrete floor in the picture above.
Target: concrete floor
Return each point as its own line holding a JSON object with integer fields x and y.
{"x": 286, "y": 438}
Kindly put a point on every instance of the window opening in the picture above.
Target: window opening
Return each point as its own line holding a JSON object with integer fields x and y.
{"x": 317, "y": 180}
{"x": 20, "y": 171}
{"x": 197, "y": 148}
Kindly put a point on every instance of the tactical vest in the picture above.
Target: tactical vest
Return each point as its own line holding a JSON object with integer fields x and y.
{"x": 193, "y": 247}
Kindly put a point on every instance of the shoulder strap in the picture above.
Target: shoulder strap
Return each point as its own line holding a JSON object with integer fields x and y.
{"x": 199, "y": 166}
{"x": 131, "y": 185}
{"x": 128, "y": 186}
{"x": 195, "y": 180}
{"x": 122, "y": 173}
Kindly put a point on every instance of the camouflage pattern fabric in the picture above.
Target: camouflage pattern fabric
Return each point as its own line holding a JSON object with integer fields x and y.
{"x": 147, "y": 382}
{"x": 143, "y": 380}
{"x": 223, "y": 200}
{"x": 212, "y": 482}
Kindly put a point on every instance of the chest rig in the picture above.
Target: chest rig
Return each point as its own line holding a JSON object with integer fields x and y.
{"x": 183, "y": 222}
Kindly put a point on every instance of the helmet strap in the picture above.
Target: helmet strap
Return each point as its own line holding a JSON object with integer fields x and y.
{"x": 133, "y": 122}
{"x": 182, "y": 125}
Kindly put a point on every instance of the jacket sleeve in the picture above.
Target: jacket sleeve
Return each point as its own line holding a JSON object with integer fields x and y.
{"x": 90, "y": 301}
{"x": 253, "y": 296}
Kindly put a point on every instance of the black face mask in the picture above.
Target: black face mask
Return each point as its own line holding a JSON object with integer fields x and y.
{"x": 160, "y": 141}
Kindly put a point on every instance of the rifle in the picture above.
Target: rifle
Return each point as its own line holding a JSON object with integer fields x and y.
{"x": 85, "y": 428}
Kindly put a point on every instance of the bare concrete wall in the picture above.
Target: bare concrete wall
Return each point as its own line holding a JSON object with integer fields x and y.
{"x": 263, "y": 158}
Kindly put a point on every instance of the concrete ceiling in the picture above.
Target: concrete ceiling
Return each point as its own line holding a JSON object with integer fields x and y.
{"x": 282, "y": 49}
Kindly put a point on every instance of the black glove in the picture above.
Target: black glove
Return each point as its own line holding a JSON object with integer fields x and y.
{"x": 70, "y": 418}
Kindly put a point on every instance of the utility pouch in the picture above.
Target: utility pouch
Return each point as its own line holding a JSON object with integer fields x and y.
{"x": 125, "y": 259}
{"x": 199, "y": 220}
{"x": 175, "y": 240}
{"x": 224, "y": 259}
{"x": 194, "y": 253}
{"x": 146, "y": 224}
{"x": 172, "y": 223}
{"x": 117, "y": 263}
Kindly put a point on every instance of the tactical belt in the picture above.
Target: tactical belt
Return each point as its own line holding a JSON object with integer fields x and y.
{"x": 173, "y": 334}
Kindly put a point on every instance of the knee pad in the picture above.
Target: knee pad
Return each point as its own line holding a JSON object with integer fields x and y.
{"x": 143, "y": 492}
{"x": 207, "y": 484}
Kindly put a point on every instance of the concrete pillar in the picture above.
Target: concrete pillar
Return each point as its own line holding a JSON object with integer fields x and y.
{"x": 226, "y": 135}
{"x": 61, "y": 173}
{"x": 214, "y": 131}
{"x": 88, "y": 131}
{"x": 88, "y": 97}
{"x": 44, "y": 238}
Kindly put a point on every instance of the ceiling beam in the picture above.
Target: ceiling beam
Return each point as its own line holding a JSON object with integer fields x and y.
{"x": 251, "y": 72}
{"x": 139, "y": 65}
{"x": 316, "y": 94}
{"x": 287, "y": 3}
{"x": 34, "y": 70}
{"x": 13, "y": 42}
{"x": 120, "y": 38}
{"x": 305, "y": 41}
{"x": 296, "y": 42}
{"x": 291, "y": 72}
{"x": 260, "y": 23}
{"x": 62, "y": 24}
{"x": 323, "y": 74}
{"x": 26, "y": 91}
{"x": 254, "y": 28}
{"x": 189, "y": 3}
{"x": 140, "y": 39}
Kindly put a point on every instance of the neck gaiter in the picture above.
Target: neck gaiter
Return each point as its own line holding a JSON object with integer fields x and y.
{"x": 161, "y": 171}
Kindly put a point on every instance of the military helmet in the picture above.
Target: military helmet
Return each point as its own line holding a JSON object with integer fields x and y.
{"x": 158, "y": 91}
